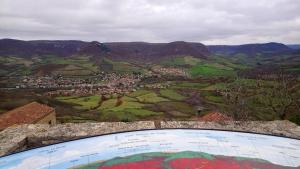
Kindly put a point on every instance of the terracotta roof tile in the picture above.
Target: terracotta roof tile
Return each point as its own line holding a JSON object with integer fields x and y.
{"x": 29, "y": 113}
{"x": 215, "y": 116}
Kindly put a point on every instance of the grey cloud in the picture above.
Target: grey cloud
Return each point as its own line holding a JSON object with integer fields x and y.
{"x": 207, "y": 21}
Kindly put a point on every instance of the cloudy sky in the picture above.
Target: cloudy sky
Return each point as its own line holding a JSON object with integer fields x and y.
{"x": 206, "y": 21}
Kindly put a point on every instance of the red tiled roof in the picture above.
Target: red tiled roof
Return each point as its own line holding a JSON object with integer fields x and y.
{"x": 215, "y": 116}
{"x": 27, "y": 114}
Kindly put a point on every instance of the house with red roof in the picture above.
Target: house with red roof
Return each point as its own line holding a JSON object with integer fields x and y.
{"x": 215, "y": 117}
{"x": 32, "y": 113}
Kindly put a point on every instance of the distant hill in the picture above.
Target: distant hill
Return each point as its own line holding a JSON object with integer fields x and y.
{"x": 250, "y": 49}
{"x": 118, "y": 50}
{"x": 26, "y": 49}
{"x": 295, "y": 46}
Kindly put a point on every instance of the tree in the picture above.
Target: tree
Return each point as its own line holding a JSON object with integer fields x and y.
{"x": 235, "y": 99}
{"x": 278, "y": 95}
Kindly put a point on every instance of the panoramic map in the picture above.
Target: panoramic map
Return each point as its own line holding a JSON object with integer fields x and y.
{"x": 163, "y": 149}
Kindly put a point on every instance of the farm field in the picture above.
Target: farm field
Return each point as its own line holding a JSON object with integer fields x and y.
{"x": 175, "y": 102}
{"x": 158, "y": 95}
{"x": 211, "y": 70}
{"x": 142, "y": 104}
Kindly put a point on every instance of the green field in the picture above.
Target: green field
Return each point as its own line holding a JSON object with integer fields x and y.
{"x": 171, "y": 94}
{"x": 10, "y": 60}
{"x": 120, "y": 67}
{"x": 138, "y": 105}
{"x": 127, "y": 105}
{"x": 210, "y": 70}
{"x": 295, "y": 69}
{"x": 190, "y": 85}
{"x": 216, "y": 99}
{"x": 82, "y": 62}
{"x": 108, "y": 104}
{"x": 151, "y": 98}
{"x": 139, "y": 93}
{"x": 182, "y": 61}
{"x": 128, "y": 109}
{"x": 198, "y": 67}
{"x": 88, "y": 102}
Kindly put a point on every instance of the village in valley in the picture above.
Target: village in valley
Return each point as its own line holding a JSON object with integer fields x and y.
{"x": 101, "y": 83}
{"x": 159, "y": 93}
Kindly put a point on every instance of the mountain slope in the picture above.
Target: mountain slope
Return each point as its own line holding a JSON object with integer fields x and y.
{"x": 26, "y": 49}
{"x": 295, "y": 46}
{"x": 118, "y": 50}
{"x": 250, "y": 49}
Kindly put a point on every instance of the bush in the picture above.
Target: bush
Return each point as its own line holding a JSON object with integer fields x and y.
{"x": 295, "y": 119}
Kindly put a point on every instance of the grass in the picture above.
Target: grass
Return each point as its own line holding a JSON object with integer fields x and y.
{"x": 139, "y": 93}
{"x": 190, "y": 85}
{"x": 116, "y": 116}
{"x": 23, "y": 70}
{"x": 171, "y": 94}
{"x": 129, "y": 110}
{"x": 108, "y": 104}
{"x": 128, "y": 115}
{"x": 65, "y": 97}
{"x": 228, "y": 62}
{"x": 151, "y": 98}
{"x": 15, "y": 61}
{"x": 249, "y": 83}
{"x": 295, "y": 69}
{"x": 176, "y": 106}
{"x": 79, "y": 62}
{"x": 127, "y": 98}
{"x": 143, "y": 112}
{"x": 127, "y": 105}
{"x": 77, "y": 72}
{"x": 87, "y": 102}
{"x": 182, "y": 61}
{"x": 215, "y": 86}
{"x": 74, "y": 119}
{"x": 131, "y": 107}
{"x": 121, "y": 67}
{"x": 190, "y": 60}
{"x": 210, "y": 70}
{"x": 73, "y": 65}
{"x": 216, "y": 99}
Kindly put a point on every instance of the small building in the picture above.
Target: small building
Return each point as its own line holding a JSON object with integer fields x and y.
{"x": 32, "y": 113}
{"x": 215, "y": 117}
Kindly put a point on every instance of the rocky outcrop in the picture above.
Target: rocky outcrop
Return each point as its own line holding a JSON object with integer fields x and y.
{"x": 23, "y": 137}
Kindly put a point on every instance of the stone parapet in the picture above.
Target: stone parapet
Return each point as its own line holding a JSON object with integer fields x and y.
{"x": 17, "y": 138}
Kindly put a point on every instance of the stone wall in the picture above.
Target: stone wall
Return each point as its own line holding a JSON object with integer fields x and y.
{"x": 49, "y": 119}
{"x": 23, "y": 137}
